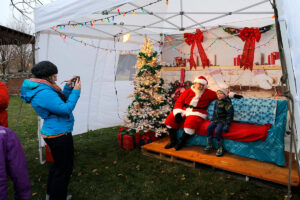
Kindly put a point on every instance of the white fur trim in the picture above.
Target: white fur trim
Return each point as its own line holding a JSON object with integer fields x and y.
{"x": 195, "y": 100}
{"x": 201, "y": 81}
{"x": 189, "y": 131}
{"x": 168, "y": 126}
{"x": 231, "y": 94}
{"x": 178, "y": 110}
{"x": 189, "y": 112}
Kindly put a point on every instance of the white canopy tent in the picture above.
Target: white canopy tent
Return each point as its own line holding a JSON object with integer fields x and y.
{"x": 99, "y": 24}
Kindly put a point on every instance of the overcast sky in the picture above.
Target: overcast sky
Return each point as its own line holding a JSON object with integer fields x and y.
{"x": 5, "y": 12}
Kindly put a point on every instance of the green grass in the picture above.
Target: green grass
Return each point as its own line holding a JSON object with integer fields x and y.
{"x": 102, "y": 170}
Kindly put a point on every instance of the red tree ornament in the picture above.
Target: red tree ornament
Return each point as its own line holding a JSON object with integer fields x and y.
{"x": 192, "y": 39}
{"x": 250, "y": 35}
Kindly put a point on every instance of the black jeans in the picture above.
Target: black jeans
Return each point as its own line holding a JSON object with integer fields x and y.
{"x": 62, "y": 150}
{"x": 218, "y": 132}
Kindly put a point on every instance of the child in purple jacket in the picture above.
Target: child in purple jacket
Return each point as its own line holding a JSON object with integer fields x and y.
{"x": 13, "y": 163}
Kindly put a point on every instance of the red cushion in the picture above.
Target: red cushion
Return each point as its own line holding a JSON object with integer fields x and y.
{"x": 240, "y": 131}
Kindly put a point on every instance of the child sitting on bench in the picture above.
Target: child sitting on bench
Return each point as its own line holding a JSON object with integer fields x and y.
{"x": 220, "y": 122}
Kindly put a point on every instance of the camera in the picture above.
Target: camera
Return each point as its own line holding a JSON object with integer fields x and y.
{"x": 74, "y": 80}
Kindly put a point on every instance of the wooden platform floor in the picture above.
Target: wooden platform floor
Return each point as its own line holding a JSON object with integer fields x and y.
{"x": 191, "y": 155}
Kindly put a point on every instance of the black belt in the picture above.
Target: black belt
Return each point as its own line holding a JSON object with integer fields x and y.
{"x": 190, "y": 106}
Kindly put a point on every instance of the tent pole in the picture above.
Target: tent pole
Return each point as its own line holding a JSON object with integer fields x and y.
{"x": 197, "y": 13}
{"x": 151, "y": 24}
{"x": 131, "y": 25}
{"x": 181, "y": 15}
{"x": 161, "y": 18}
{"x": 288, "y": 80}
{"x": 229, "y": 13}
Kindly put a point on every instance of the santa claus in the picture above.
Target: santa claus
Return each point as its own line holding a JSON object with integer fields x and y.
{"x": 190, "y": 109}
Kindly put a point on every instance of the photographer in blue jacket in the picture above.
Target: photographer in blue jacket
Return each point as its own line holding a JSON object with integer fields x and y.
{"x": 55, "y": 107}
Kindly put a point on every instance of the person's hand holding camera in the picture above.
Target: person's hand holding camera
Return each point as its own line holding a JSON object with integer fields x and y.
{"x": 77, "y": 84}
{"x": 69, "y": 82}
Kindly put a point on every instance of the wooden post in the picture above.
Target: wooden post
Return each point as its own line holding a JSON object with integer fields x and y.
{"x": 262, "y": 59}
{"x": 215, "y": 60}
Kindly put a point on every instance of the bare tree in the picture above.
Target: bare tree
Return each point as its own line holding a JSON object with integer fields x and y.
{"x": 6, "y": 57}
{"x": 25, "y": 7}
{"x": 18, "y": 56}
{"x": 23, "y": 56}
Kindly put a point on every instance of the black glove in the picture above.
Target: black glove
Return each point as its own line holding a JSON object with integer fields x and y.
{"x": 237, "y": 96}
{"x": 178, "y": 118}
{"x": 226, "y": 128}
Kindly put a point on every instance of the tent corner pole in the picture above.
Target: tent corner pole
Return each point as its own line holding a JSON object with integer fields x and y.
{"x": 287, "y": 81}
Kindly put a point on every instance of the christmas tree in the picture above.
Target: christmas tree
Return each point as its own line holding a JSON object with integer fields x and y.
{"x": 151, "y": 103}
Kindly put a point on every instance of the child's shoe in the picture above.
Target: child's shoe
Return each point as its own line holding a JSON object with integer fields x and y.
{"x": 208, "y": 147}
{"x": 220, "y": 151}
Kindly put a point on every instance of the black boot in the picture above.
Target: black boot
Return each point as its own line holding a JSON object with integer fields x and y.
{"x": 182, "y": 140}
{"x": 173, "y": 138}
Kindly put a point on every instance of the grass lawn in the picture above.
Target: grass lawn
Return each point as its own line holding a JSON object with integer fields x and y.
{"x": 102, "y": 170}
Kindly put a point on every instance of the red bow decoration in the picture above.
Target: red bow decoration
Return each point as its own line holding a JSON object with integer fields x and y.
{"x": 197, "y": 38}
{"x": 250, "y": 35}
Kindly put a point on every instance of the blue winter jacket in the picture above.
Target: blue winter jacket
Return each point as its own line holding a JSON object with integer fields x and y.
{"x": 57, "y": 114}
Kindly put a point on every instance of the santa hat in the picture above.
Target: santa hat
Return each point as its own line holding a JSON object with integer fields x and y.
{"x": 202, "y": 80}
{"x": 224, "y": 90}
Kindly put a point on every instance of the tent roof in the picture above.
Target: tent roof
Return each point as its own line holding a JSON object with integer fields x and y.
{"x": 177, "y": 17}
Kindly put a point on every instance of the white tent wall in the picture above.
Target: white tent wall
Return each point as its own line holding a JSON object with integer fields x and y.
{"x": 107, "y": 109}
{"x": 289, "y": 16}
{"x": 98, "y": 106}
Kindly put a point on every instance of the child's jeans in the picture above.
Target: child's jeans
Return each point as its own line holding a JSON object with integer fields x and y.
{"x": 218, "y": 132}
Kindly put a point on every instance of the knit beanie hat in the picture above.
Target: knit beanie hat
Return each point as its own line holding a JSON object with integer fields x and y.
{"x": 224, "y": 90}
{"x": 44, "y": 69}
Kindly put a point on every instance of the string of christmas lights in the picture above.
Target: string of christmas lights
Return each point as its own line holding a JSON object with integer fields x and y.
{"x": 195, "y": 52}
{"x": 210, "y": 31}
{"x": 64, "y": 36}
{"x": 229, "y": 45}
{"x": 108, "y": 19}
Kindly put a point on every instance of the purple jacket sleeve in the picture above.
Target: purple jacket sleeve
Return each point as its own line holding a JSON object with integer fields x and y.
{"x": 3, "y": 185}
{"x": 17, "y": 166}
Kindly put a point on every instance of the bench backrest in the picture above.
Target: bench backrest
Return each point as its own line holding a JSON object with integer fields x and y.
{"x": 251, "y": 110}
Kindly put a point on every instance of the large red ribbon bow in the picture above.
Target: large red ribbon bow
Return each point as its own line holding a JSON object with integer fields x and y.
{"x": 250, "y": 35}
{"x": 197, "y": 38}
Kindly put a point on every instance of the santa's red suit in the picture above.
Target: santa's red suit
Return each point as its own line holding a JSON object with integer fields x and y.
{"x": 4, "y": 99}
{"x": 192, "y": 105}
